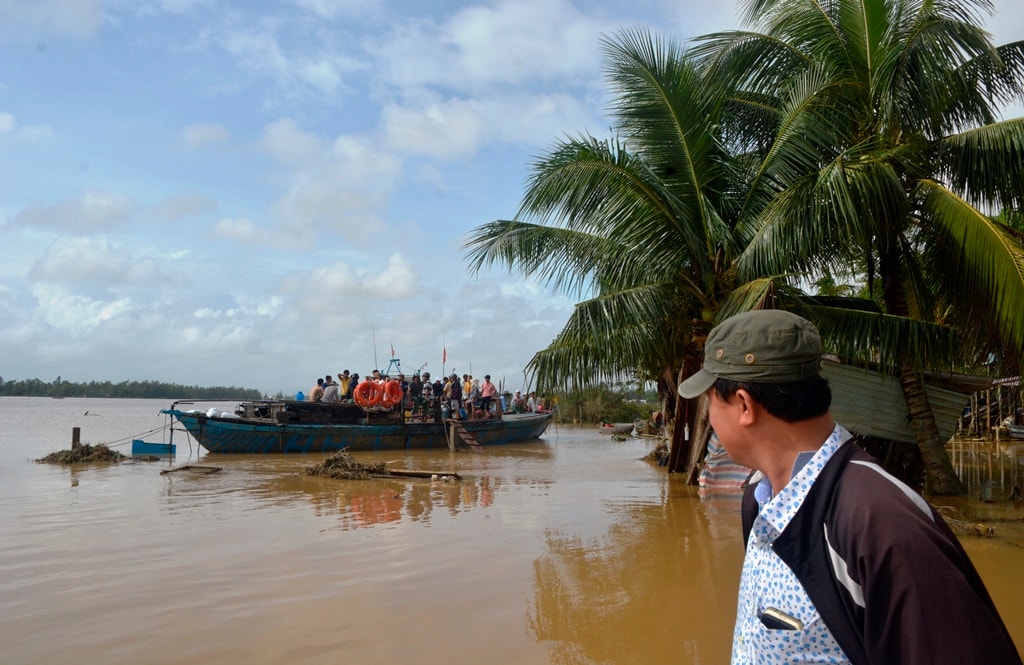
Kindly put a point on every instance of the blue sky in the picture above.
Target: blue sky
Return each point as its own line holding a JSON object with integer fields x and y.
{"x": 258, "y": 193}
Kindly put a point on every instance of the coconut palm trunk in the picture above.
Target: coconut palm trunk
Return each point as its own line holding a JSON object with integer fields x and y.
{"x": 942, "y": 478}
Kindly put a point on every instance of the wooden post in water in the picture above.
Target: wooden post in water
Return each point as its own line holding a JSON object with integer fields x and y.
{"x": 76, "y": 438}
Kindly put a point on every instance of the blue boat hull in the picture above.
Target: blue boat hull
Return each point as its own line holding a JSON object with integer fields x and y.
{"x": 240, "y": 436}
{"x": 145, "y": 448}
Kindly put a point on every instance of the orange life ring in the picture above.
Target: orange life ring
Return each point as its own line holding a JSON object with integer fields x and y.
{"x": 367, "y": 394}
{"x": 392, "y": 394}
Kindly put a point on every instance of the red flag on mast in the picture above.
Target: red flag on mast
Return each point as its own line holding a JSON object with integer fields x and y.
{"x": 392, "y": 350}
{"x": 444, "y": 354}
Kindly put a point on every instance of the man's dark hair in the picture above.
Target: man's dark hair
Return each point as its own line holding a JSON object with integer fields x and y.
{"x": 791, "y": 402}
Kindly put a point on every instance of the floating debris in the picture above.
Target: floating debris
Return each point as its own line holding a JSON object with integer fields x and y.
{"x": 84, "y": 453}
{"x": 659, "y": 455}
{"x": 198, "y": 468}
{"x": 963, "y": 527}
{"x": 342, "y": 465}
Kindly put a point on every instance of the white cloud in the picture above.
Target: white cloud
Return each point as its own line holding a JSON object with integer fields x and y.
{"x": 244, "y": 230}
{"x": 338, "y": 9}
{"x": 341, "y": 186}
{"x": 307, "y": 71}
{"x": 514, "y": 42}
{"x": 238, "y": 228}
{"x": 78, "y": 315}
{"x": 203, "y": 134}
{"x": 189, "y": 204}
{"x": 10, "y": 128}
{"x": 84, "y": 261}
{"x": 285, "y": 141}
{"x": 23, "y": 20}
{"x": 448, "y": 129}
{"x": 93, "y": 210}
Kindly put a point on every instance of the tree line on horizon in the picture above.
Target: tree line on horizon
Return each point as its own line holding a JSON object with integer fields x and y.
{"x": 124, "y": 389}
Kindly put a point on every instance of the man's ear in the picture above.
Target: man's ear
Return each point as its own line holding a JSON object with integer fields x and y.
{"x": 748, "y": 408}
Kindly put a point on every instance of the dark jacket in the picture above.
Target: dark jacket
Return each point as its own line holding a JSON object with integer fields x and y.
{"x": 885, "y": 572}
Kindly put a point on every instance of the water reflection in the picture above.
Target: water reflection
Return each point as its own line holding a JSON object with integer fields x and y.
{"x": 357, "y": 503}
{"x": 655, "y": 586}
{"x": 367, "y": 503}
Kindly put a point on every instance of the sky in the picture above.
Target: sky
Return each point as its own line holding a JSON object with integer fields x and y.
{"x": 257, "y": 193}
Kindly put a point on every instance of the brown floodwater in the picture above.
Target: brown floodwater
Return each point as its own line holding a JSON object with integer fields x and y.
{"x": 571, "y": 550}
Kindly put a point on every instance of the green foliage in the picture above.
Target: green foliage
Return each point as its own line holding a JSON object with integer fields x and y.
{"x": 592, "y": 405}
{"x": 124, "y": 389}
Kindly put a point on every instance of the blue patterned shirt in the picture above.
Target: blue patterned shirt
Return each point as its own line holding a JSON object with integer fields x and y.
{"x": 767, "y": 581}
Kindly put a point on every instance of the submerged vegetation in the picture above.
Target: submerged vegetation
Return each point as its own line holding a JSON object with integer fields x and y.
{"x": 82, "y": 454}
{"x": 341, "y": 465}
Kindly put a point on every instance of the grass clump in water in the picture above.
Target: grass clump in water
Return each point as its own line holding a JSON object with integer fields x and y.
{"x": 84, "y": 453}
{"x": 342, "y": 465}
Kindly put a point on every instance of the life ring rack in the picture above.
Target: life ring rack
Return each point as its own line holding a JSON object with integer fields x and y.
{"x": 392, "y": 394}
{"x": 367, "y": 394}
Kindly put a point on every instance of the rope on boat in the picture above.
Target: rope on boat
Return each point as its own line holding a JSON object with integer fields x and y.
{"x": 128, "y": 439}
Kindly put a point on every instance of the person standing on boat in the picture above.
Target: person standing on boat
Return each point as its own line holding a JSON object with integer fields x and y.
{"x": 404, "y": 385}
{"x": 351, "y": 392}
{"x": 455, "y": 397}
{"x": 343, "y": 380}
{"x": 317, "y": 393}
{"x": 844, "y": 563}
{"x": 416, "y": 394}
{"x": 330, "y": 390}
{"x": 487, "y": 392}
{"x": 531, "y": 402}
{"x": 473, "y": 398}
{"x": 428, "y": 396}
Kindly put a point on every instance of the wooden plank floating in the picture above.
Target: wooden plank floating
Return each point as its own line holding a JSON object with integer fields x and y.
{"x": 412, "y": 473}
{"x": 201, "y": 468}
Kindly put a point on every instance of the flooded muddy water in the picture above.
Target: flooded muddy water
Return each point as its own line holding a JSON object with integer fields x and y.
{"x": 568, "y": 550}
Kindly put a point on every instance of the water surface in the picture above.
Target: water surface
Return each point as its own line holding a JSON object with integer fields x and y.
{"x": 568, "y": 550}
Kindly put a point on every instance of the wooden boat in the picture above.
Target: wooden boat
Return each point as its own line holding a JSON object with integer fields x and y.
{"x": 1016, "y": 431}
{"x": 140, "y": 447}
{"x": 615, "y": 428}
{"x": 288, "y": 426}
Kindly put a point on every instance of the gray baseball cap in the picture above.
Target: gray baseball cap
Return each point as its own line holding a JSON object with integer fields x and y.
{"x": 763, "y": 346}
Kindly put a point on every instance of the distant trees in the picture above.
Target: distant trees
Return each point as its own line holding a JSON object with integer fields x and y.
{"x": 124, "y": 389}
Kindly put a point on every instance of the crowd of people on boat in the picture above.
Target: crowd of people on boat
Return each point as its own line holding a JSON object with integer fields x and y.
{"x": 449, "y": 397}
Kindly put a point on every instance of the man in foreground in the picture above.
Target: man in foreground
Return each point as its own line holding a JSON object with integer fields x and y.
{"x": 844, "y": 563}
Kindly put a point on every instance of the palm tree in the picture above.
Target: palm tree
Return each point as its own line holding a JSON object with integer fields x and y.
{"x": 640, "y": 227}
{"x": 884, "y": 140}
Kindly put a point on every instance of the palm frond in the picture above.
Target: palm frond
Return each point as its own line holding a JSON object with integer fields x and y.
{"x": 986, "y": 257}
{"x": 986, "y": 164}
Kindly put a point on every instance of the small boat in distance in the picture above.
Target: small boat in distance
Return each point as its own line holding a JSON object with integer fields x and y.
{"x": 1016, "y": 431}
{"x": 614, "y": 428}
{"x": 289, "y": 426}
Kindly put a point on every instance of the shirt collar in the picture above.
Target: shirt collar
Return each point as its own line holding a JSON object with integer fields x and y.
{"x": 778, "y": 510}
